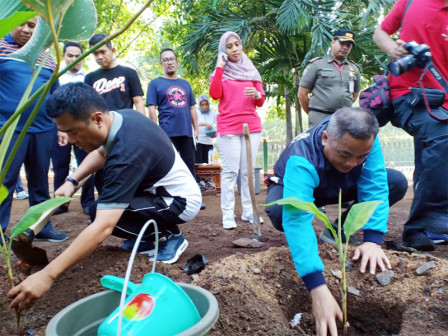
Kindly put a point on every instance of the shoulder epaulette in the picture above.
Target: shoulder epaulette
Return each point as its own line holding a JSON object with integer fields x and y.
{"x": 314, "y": 59}
{"x": 354, "y": 63}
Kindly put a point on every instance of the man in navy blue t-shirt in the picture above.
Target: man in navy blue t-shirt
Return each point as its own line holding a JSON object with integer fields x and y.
{"x": 175, "y": 102}
{"x": 144, "y": 178}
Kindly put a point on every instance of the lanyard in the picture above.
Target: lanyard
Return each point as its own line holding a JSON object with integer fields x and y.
{"x": 337, "y": 66}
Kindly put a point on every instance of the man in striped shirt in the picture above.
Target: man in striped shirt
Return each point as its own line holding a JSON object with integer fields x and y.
{"x": 36, "y": 147}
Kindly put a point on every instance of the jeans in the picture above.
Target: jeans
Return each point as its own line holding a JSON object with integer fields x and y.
{"x": 396, "y": 181}
{"x": 35, "y": 152}
{"x": 234, "y": 159}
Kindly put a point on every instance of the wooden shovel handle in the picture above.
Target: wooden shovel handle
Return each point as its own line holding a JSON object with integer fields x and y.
{"x": 250, "y": 178}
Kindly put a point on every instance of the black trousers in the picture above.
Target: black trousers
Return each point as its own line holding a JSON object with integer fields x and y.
{"x": 143, "y": 207}
{"x": 185, "y": 146}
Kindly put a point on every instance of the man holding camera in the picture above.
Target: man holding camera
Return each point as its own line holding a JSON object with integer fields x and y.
{"x": 421, "y": 109}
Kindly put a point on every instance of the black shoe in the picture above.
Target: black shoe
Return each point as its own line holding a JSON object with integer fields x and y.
{"x": 418, "y": 240}
{"x": 61, "y": 209}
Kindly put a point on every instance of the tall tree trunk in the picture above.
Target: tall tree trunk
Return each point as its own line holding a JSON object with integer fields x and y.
{"x": 288, "y": 117}
{"x": 288, "y": 113}
{"x": 298, "y": 109}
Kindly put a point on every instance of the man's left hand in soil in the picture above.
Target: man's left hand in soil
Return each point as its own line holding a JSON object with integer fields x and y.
{"x": 371, "y": 254}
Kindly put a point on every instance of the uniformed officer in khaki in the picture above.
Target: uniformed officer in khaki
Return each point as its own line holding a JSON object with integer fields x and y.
{"x": 332, "y": 80}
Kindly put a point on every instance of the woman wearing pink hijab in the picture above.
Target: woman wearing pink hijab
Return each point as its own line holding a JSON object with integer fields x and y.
{"x": 238, "y": 87}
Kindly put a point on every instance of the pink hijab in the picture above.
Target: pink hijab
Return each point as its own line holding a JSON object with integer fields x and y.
{"x": 243, "y": 70}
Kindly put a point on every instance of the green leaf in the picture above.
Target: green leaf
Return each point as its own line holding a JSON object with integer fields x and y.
{"x": 79, "y": 23}
{"x": 36, "y": 213}
{"x": 358, "y": 216}
{"x": 3, "y": 193}
{"x": 308, "y": 207}
{"x": 12, "y": 14}
{"x": 57, "y": 8}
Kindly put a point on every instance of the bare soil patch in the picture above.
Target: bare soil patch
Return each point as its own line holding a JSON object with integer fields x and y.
{"x": 258, "y": 290}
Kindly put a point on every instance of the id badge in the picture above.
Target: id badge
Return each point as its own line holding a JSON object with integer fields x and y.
{"x": 351, "y": 86}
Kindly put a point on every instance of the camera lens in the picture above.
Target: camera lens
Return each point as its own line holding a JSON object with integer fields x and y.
{"x": 402, "y": 65}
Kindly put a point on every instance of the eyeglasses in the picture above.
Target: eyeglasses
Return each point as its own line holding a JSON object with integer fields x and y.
{"x": 169, "y": 60}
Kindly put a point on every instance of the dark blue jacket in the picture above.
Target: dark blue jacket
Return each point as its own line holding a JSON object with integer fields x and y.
{"x": 306, "y": 174}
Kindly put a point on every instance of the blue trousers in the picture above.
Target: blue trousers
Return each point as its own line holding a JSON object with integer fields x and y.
{"x": 398, "y": 185}
{"x": 61, "y": 166}
{"x": 35, "y": 152}
{"x": 429, "y": 208}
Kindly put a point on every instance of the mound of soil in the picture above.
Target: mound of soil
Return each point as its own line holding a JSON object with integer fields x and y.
{"x": 258, "y": 289}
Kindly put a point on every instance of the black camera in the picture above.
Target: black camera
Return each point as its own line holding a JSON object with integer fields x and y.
{"x": 418, "y": 55}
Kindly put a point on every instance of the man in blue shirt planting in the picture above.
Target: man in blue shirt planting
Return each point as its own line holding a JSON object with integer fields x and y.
{"x": 341, "y": 153}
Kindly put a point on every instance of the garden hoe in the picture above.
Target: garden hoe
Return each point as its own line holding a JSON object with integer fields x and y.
{"x": 22, "y": 246}
{"x": 255, "y": 241}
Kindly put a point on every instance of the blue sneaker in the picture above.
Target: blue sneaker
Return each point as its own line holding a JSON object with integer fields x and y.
{"x": 437, "y": 238}
{"x": 171, "y": 249}
{"x": 51, "y": 236}
{"x": 145, "y": 247}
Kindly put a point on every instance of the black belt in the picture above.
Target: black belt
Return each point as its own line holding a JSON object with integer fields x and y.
{"x": 320, "y": 111}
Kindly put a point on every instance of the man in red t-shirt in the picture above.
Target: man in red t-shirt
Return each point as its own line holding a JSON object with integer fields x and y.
{"x": 425, "y": 22}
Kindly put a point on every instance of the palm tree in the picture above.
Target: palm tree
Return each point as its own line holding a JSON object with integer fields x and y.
{"x": 281, "y": 36}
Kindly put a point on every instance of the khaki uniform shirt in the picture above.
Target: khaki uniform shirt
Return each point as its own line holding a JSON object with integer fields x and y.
{"x": 329, "y": 85}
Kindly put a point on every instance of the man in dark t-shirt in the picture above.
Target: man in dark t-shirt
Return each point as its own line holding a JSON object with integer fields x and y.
{"x": 119, "y": 85}
{"x": 176, "y": 105}
{"x": 143, "y": 180}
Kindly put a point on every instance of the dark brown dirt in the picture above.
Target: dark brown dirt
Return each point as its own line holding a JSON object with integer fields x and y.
{"x": 258, "y": 290}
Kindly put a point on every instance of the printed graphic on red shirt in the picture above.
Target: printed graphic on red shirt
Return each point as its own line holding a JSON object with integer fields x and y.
{"x": 176, "y": 96}
{"x": 103, "y": 85}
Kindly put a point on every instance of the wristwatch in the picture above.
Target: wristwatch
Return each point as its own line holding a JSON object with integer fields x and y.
{"x": 72, "y": 180}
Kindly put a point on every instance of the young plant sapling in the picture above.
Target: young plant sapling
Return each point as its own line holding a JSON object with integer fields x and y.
{"x": 357, "y": 217}
{"x": 35, "y": 214}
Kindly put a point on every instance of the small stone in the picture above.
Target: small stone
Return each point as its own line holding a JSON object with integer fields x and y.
{"x": 424, "y": 268}
{"x": 256, "y": 270}
{"x": 385, "y": 278}
{"x": 195, "y": 276}
{"x": 337, "y": 274}
{"x": 441, "y": 289}
{"x": 348, "y": 265}
{"x": 353, "y": 290}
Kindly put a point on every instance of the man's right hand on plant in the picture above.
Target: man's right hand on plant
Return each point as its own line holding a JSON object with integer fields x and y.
{"x": 325, "y": 311}
{"x": 65, "y": 190}
{"x": 29, "y": 290}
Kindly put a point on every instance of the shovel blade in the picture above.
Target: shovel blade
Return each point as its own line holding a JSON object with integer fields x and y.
{"x": 24, "y": 250}
{"x": 247, "y": 242}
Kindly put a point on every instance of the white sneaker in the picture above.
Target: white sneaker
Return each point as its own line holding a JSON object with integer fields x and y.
{"x": 250, "y": 218}
{"x": 228, "y": 222}
{"x": 22, "y": 195}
